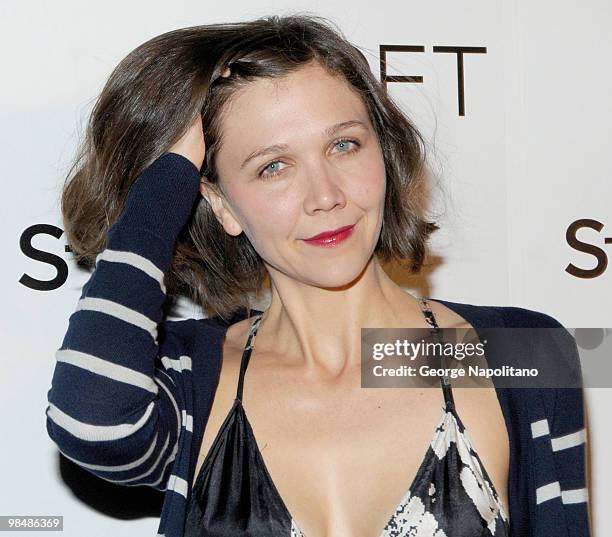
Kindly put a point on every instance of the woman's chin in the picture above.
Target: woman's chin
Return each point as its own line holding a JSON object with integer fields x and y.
{"x": 337, "y": 278}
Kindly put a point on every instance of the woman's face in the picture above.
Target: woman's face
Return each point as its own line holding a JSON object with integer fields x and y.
{"x": 299, "y": 156}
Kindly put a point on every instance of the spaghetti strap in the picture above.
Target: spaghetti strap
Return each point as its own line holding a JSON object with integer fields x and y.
{"x": 246, "y": 354}
{"x": 436, "y": 331}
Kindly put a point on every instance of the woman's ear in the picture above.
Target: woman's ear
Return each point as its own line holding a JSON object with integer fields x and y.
{"x": 216, "y": 199}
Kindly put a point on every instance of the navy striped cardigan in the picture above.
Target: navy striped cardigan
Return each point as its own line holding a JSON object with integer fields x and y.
{"x": 131, "y": 392}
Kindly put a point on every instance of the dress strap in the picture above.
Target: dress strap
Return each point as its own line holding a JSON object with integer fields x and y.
{"x": 246, "y": 353}
{"x": 436, "y": 331}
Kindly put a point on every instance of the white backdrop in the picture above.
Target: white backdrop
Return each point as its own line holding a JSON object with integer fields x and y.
{"x": 528, "y": 158}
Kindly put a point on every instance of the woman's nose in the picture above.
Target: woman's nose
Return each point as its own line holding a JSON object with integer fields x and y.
{"x": 323, "y": 188}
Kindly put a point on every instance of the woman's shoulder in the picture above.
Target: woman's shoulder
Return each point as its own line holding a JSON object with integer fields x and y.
{"x": 216, "y": 324}
{"x": 501, "y": 315}
{"x": 549, "y": 341}
{"x": 538, "y": 339}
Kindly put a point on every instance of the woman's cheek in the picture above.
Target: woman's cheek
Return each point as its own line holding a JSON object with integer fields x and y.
{"x": 371, "y": 188}
{"x": 272, "y": 218}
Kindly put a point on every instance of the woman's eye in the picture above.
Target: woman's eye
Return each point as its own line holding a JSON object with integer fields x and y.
{"x": 273, "y": 168}
{"x": 270, "y": 170}
{"x": 345, "y": 145}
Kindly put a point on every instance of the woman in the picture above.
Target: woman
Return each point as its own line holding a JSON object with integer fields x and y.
{"x": 299, "y": 140}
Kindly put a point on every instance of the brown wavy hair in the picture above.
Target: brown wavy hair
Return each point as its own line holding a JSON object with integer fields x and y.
{"x": 152, "y": 97}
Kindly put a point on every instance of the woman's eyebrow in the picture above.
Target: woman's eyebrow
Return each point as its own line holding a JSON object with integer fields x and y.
{"x": 329, "y": 131}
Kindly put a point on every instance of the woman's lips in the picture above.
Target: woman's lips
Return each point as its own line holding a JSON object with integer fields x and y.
{"x": 331, "y": 239}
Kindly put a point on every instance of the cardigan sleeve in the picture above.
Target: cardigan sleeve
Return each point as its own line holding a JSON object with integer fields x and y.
{"x": 116, "y": 406}
{"x": 568, "y": 437}
{"x": 563, "y": 432}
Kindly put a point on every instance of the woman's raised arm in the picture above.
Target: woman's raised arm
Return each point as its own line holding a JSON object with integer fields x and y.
{"x": 113, "y": 408}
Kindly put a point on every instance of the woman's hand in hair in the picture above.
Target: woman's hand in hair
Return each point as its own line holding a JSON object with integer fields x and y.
{"x": 191, "y": 144}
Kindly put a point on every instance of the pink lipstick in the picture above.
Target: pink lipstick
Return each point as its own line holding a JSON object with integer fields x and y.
{"x": 332, "y": 237}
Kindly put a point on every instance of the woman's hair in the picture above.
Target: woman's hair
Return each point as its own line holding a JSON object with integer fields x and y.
{"x": 152, "y": 97}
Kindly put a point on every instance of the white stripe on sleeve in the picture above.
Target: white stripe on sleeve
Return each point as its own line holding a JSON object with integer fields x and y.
{"x": 135, "y": 260}
{"x": 107, "y": 369}
{"x": 119, "y": 311}
{"x": 96, "y": 433}
{"x": 569, "y": 440}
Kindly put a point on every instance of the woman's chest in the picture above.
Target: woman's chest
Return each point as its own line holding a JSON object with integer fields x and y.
{"x": 342, "y": 457}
